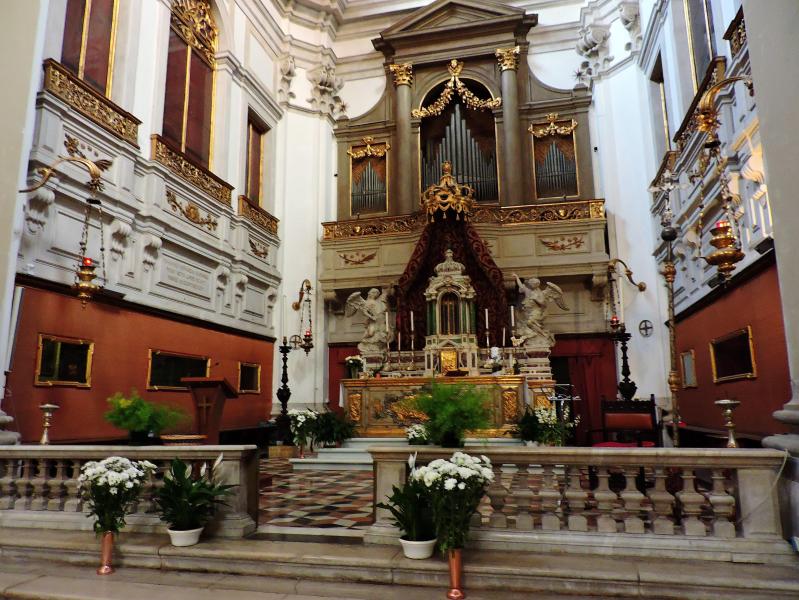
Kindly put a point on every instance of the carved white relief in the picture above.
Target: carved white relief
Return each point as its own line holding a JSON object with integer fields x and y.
{"x": 592, "y": 43}
{"x": 239, "y": 289}
{"x": 151, "y": 250}
{"x": 222, "y": 281}
{"x": 118, "y": 238}
{"x": 271, "y": 300}
{"x": 325, "y": 90}
{"x": 287, "y": 73}
{"x": 38, "y": 209}
{"x": 629, "y": 13}
{"x": 753, "y": 171}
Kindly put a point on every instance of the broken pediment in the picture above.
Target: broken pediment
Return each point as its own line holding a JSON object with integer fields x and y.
{"x": 453, "y": 15}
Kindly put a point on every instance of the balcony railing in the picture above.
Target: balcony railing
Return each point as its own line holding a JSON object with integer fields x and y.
{"x": 39, "y": 485}
{"x": 195, "y": 174}
{"x": 609, "y": 500}
{"x": 257, "y": 215}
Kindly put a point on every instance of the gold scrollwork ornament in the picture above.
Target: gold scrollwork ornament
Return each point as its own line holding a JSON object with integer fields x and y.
{"x": 354, "y": 407}
{"x": 552, "y": 127}
{"x": 510, "y": 405}
{"x": 377, "y": 150}
{"x": 508, "y": 58}
{"x": 402, "y": 72}
{"x": 455, "y": 84}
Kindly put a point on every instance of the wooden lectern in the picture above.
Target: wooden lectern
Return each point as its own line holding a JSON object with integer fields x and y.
{"x": 209, "y": 395}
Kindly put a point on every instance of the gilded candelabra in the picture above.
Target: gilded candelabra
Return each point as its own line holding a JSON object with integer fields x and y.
{"x": 728, "y": 406}
{"x": 668, "y": 234}
{"x": 47, "y": 421}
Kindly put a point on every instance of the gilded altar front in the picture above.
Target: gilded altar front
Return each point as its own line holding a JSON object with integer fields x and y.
{"x": 378, "y": 405}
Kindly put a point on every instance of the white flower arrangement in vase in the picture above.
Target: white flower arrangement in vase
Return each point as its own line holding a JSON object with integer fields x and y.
{"x": 302, "y": 424}
{"x": 552, "y": 428}
{"x": 417, "y": 435}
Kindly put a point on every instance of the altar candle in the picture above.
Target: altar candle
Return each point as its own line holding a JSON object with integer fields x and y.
{"x": 503, "y": 337}
{"x": 399, "y": 342}
{"x": 512, "y": 318}
{"x": 386, "y": 322}
{"x": 411, "y": 321}
{"x": 486, "y": 318}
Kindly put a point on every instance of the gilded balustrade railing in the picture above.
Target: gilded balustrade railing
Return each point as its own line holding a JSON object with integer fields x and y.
{"x": 39, "y": 485}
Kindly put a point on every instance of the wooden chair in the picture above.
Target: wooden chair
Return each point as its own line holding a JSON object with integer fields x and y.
{"x": 631, "y": 423}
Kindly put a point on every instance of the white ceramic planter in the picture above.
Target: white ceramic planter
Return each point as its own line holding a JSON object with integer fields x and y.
{"x": 418, "y": 550}
{"x": 188, "y": 537}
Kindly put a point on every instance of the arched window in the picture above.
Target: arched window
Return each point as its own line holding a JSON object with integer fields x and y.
{"x": 88, "y": 46}
{"x": 464, "y": 137}
{"x": 188, "y": 99}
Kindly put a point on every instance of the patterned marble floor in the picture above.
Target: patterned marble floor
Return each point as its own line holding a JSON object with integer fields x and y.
{"x": 314, "y": 498}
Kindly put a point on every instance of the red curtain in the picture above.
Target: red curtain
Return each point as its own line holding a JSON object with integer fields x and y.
{"x": 592, "y": 370}
{"x": 337, "y": 370}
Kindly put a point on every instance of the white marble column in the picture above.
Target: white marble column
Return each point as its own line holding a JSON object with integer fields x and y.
{"x": 512, "y": 148}
{"x": 403, "y": 78}
{"x": 773, "y": 39}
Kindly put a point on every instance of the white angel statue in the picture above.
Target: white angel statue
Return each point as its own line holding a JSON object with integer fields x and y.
{"x": 377, "y": 334}
{"x": 530, "y": 330}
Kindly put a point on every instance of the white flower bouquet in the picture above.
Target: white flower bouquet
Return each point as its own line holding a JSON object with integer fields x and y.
{"x": 110, "y": 486}
{"x": 552, "y": 429}
{"x": 456, "y": 487}
{"x": 417, "y": 434}
{"x": 302, "y": 425}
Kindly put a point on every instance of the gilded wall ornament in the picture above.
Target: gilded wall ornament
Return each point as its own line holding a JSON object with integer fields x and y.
{"x": 377, "y": 150}
{"x": 191, "y": 212}
{"x": 508, "y": 58}
{"x": 93, "y": 105}
{"x": 510, "y": 405}
{"x": 257, "y": 215}
{"x": 402, "y": 72}
{"x": 357, "y": 258}
{"x": 563, "y": 243}
{"x": 552, "y": 127}
{"x": 354, "y": 407}
{"x": 448, "y": 195}
{"x": 193, "y": 21}
{"x": 181, "y": 166}
{"x": 259, "y": 250}
{"x": 455, "y": 85}
{"x": 579, "y": 210}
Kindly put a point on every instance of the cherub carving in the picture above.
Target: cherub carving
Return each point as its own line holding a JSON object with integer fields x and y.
{"x": 374, "y": 307}
{"x": 530, "y": 330}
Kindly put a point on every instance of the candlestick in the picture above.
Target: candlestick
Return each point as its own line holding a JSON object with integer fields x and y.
{"x": 386, "y": 327}
{"x": 399, "y": 343}
{"x": 503, "y": 337}
{"x": 412, "y": 329}
{"x": 488, "y": 343}
{"x": 486, "y": 319}
{"x": 512, "y": 317}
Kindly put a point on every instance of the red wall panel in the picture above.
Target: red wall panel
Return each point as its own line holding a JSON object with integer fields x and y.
{"x": 122, "y": 338}
{"x": 337, "y": 369}
{"x": 757, "y": 303}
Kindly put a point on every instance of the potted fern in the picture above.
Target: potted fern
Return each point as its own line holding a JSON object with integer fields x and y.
{"x": 411, "y": 509}
{"x": 144, "y": 421}
{"x": 186, "y": 502}
{"x": 451, "y": 411}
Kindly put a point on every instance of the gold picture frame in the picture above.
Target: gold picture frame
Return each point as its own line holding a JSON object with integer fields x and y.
{"x": 731, "y": 342}
{"x": 60, "y": 382}
{"x": 258, "y": 378}
{"x": 157, "y": 388}
{"x": 688, "y": 369}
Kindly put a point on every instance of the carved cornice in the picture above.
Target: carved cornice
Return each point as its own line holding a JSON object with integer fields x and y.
{"x": 180, "y": 165}
{"x": 377, "y": 150}
{"x": 402, "y": 72}
{"x": 90, "y": 103}
{"x": 581, "y": 210}
{"x": 715, "y": 73}
{"x": 552, "y": 127}
{"x": 508, "y": 58}
{"x": 194, "y": 22}
{"x": 191, "y": 212}
{"x": 257, "y": 215}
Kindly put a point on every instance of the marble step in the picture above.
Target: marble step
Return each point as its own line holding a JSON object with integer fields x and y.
{"x": 487, "y": 573}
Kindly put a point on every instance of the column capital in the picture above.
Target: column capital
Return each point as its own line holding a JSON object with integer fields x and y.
{"x": 508, "y": 58}
{"x": 403, "y": 73}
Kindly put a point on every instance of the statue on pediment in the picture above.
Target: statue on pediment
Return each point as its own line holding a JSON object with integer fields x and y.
{"x": 530, "y": 330}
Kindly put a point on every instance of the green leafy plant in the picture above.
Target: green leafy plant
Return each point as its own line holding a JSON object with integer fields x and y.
{"x": 187, "y": 501}
{"x": 134, "y": 413}
{"x": 411, "y": 509}
{"x": 527, "y": 427}
{"x": 332, "y": 427}
{"x": 451, "y": 411}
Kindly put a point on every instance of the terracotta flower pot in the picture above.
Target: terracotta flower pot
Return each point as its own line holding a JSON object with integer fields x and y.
{"x": 106, "y": 552}
{"x": 455, "y": 575}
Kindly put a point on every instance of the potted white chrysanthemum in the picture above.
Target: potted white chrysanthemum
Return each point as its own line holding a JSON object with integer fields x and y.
{"x": 109, "y": 488}
{"x": 417, "y": 435}
{"x": 301, "y": 422}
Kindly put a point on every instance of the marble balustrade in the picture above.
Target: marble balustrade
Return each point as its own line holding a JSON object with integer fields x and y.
{"x": 39, "y": 485}
{"x": 708, "y": 502}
